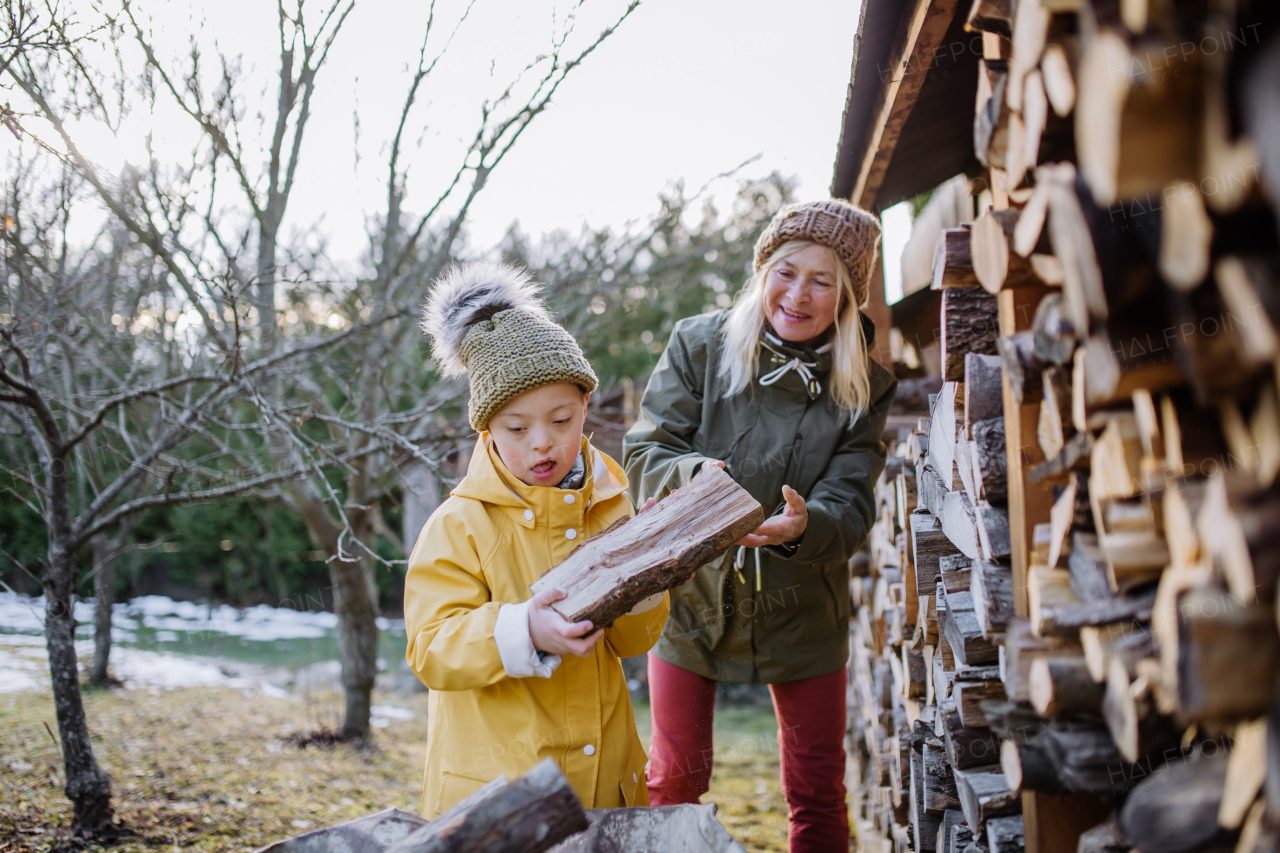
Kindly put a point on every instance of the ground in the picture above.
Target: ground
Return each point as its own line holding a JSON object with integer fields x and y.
{"x": 209, "y": 769}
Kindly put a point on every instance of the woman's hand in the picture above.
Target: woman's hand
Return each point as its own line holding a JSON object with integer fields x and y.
{"x": 780, "y": 529}
{"x": 552, "y": 633}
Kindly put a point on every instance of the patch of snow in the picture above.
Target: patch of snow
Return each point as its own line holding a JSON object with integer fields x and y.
{"x": 392, "y": 711}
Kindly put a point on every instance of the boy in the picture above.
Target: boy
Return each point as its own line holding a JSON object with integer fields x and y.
{"x": 512, "y": 682}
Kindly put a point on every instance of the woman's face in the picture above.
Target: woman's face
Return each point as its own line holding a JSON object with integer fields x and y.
{"x": 801, "y": 294}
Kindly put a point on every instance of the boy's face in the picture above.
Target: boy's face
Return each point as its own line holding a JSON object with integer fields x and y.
{"x": 539, "y": 433}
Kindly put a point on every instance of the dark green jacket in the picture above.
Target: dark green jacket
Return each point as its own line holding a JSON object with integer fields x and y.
{"x": 797, "y": 625}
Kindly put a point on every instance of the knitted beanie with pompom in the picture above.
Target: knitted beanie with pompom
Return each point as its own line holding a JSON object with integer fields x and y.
{"x": 489, "y": 321}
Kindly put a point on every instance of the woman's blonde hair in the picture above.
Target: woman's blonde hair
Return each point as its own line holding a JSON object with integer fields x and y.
{"x": 849, "y": 381}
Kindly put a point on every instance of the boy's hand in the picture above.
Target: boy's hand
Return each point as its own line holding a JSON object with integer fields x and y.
{"x": 647, "y": 505}
{"x": 552, "y": 633}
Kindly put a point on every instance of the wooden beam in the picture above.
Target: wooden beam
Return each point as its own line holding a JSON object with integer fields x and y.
{"x": 1029, "y": 503}
{"x": 920, "y": 32}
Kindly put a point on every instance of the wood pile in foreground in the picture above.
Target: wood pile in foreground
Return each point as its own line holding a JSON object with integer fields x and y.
{"x": 1067, "y": 640}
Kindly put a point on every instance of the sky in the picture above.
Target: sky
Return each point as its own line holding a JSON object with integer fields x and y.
{"x": 684, "y": 90}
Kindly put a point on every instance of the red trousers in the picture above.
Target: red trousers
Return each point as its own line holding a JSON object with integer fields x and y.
{"x": 811, "y": 726}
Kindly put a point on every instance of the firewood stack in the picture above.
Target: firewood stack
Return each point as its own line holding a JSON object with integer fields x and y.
{"x": 1071, "y": 614}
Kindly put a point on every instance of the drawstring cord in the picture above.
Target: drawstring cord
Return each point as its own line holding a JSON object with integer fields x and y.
{"x": 740, "y": 559}
{"x": 786, "y": 365}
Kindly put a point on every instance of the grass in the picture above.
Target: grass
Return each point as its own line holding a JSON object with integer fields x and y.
{"x": 206, "y": 769}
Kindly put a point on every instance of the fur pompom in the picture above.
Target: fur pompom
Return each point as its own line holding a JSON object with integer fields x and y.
{"x": 467, "y": 294}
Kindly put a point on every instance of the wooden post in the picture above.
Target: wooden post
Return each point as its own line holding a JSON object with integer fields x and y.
{"x": 877, "y": 309}
{"x": 1029, "y": 503}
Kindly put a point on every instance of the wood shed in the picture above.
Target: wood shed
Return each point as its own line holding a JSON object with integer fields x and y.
{"x": 1066, "y": 633}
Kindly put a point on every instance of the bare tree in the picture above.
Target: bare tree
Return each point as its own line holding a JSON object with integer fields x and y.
{"x": 142, "y": 364}
{"x": 358, "y": 399}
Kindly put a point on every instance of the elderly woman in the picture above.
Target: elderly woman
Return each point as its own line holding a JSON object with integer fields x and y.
{"x": 780, "y": 391}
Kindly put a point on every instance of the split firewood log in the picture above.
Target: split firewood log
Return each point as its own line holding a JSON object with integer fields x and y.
{"x": 1238, "y": 526}
{"x": 991, "y": 587}
{"x": 656, "y": 550}
{"x": 1130, "y": 642}
{"x": 1063, "y": 686}
{"x": 952, "y": 266}
{"x": 1137, "y": 116}
{"x": 1030, "y": 33}
{"x": 1059, "y": 80}
{"x": 1017, "y": 355}
{"x": 1021, "y": 648}
{"x": 982, "y": 389}
{"x": 994, "y": 264}
{"x": 1175, "y": 809}
{"x": 533, "y": 813}
{"x": 1246, "y": 772}
{"x": 990, "y": 460}
{"x": 1136, "y": 724}
{"x": 968, "y": 323}
{"x": 1228, "y": 656}
{"x": 1027, "y": 767}
{"x": 1055, "y": 427}
{"x": 964, "y": 634}
{"x": 978, "y": 695}
{"x": 967, "y": 746}
{"x": 1055, "y": 337}
{"x": 1005, "y": 834}
{"x": 984, "y": 794}
{"x": 929, "y": 543}
{"x": 992, "y": 115}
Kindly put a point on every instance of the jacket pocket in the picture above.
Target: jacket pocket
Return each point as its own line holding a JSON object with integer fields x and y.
{"x": 454, "y": 788}
{"x": 633, "y": 786}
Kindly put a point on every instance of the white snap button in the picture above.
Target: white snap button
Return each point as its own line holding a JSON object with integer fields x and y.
{"x": 589, "y": 749}
{"x": 528, "y": 515}
{"x": 634, "y": 778}
{"x": 570, "y": 498}
{"x": 571, "y": 534}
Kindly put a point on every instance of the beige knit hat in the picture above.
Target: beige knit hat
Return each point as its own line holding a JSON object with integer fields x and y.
{"x": 850, "y": 231}
{"x": 489, "y": 322}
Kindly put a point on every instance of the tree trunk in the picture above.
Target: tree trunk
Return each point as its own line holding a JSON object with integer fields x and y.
{"x": 88, "y": 786}
{"x": 104, "y": 585}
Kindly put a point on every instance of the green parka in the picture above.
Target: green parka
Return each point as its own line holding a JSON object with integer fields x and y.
{"x": 796, "y": 625}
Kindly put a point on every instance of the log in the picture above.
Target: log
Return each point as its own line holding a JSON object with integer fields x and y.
{"x": 1020, "y": 649}
{"x": 1055, "y": 427}
{"x": 951, "y": 264}
{"x": 991, "y": 587}
{"x": 1072, "y": 241}
{"x": 1017, "y": 355}
{"x": 929, "y": 488}
{"x": 533, "y": 813}
{"x": 1085, "y": 757}
{"x": 1055, "y": 609}
{"x": 982, "y": 390}
{"x": 984, "y": 794}
{"x": 1228, "y": 656}
{"x": 1004, "y": 834}
{"x": 1088, "y": 567}
{"x": 1054, "y": 335}
{"x": 968, "y": 324}
{"x": 946, "y": 427}
{"x": 964, "y": 634}
{"x": 1135, "y": 723}
{"x": 1134, "y": 113}
{"x": 1027, "y": 767}
{"x": 939, "y": 784}
{"x": 1246, "y": 771}
{"x": 1030, "y": 32}
{"x": 966, "y": 746}
{"x": 960, "y": 524}
{"x": 1129, "y": 642}
{"x": 1239, "y": 527}
{"x": 924, "y": 824}
{"x": 992, "y": 115}
{"x": 991, "y": 460}
{"x": 659, "y": 549}
{"x": 974, "y": 699}
{"x": 1175, "y": 810}
{"x": 1074, "y": 456}
{"x": 994, "y": 263}
{"x": 952, "y": 819}
{"x": 929, "y": 544}
{"x": 1063, "y": 686}
{"x": 1059, "y": 81}
{"x": 962, "y": 838}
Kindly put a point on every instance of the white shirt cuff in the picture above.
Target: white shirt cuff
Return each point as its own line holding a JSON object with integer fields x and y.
{"x": 515, "y": 644}
{"x": 646, "y": 604}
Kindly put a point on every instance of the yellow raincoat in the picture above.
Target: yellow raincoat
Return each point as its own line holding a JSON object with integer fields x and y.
{"x": 482, "y": 548}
